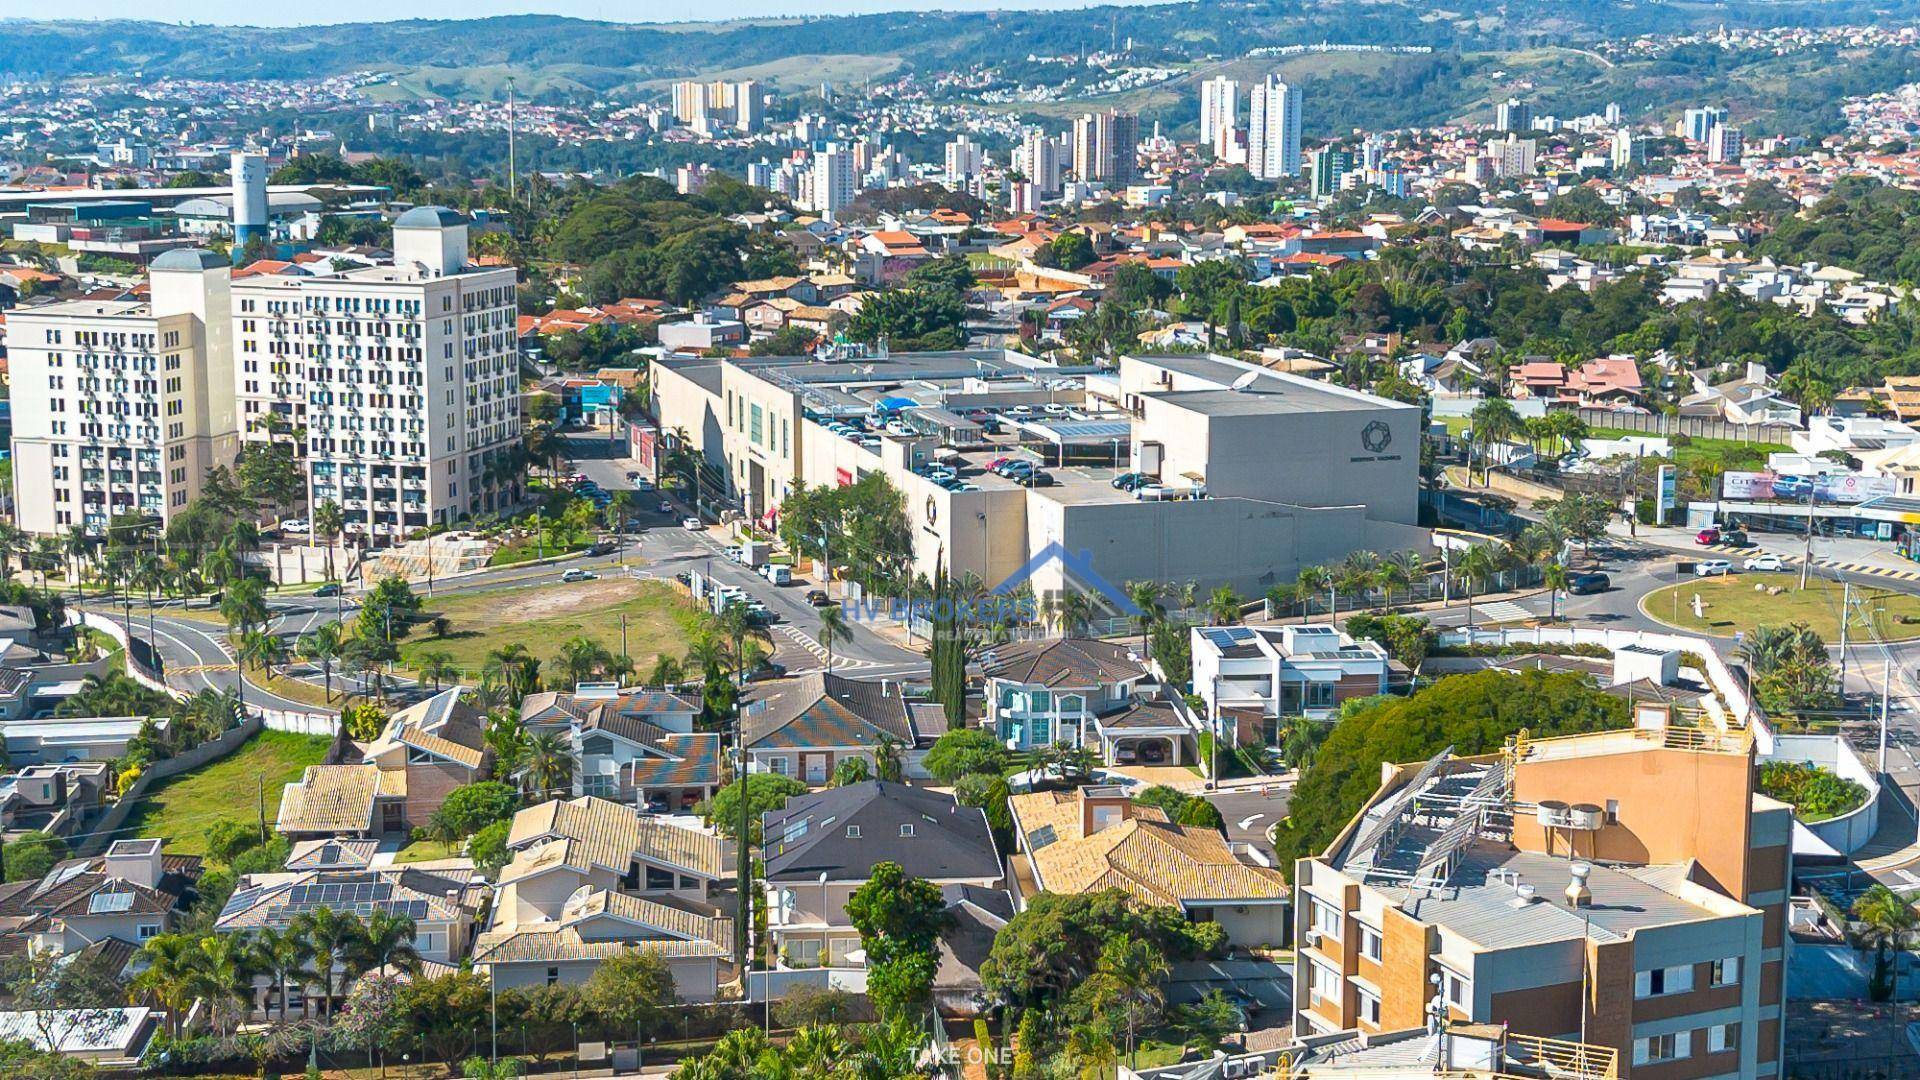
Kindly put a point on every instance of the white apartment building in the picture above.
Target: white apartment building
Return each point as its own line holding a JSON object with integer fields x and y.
{"x": 123, "y": 406}
{"x": 1040, "y": 157}
{"x": 403, "y": 378}
{"x": 966, "y": 159}
{"x": 1273, "y": 130}
{"x": 1218, "y": 98}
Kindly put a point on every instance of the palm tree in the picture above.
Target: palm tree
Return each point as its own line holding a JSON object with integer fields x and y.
{"x": 1886, "y": 922}
{"x": 323, "y": 643}
{"x": 329, "y": 521}
{"x": 1358, "y": 573}
{"x": 1554, "y": 577}
{"x": 282, "y": 956}
{"x": 76, "y": 544}
{"x": 244, "y": 606}
{"x": 735, "y": 625}
{"x": 1476, "y": 567}
{"x": 511, "y": 666}
{"x": 1092, "y": 1048}
{"x": 1070, "y": 611}
{"x": 549, "y": 763}
{"x": 437, "y": 665}
{"x": 47, "y": 553}
{"x": 666, "y": 671}
{"x": 329, "y": 936}
{"x": 385, "y": 940}
{"x": 1223, "y": 607}
{"x": 1399, "y": 571}
{"x": 151, "y": 572}
{"x": 833, "y": 630}
{"x": 13, "y": 542}
{"x": 1311, "y": 581}
{"x": 1145, "y": 596}
{"x": 1130, "y": 975}
{"x": 167, "y": 980}
{"x": 261, "y": 650}
{"x": 223, "y": 976}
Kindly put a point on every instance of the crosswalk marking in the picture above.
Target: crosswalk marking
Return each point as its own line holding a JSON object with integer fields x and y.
{"x": 198, "y": 668}
{"x": 1502, "y": 611}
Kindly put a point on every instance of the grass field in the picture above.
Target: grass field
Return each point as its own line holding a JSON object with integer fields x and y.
{"x": 1732, "y": 603}
{"x": 421, "y": 851}
{"x": 1729, "y": 453}
{"x": 660, "y": 621}
{"x": 181, "y": 809}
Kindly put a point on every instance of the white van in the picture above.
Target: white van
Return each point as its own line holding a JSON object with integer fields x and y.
{"x": 779, "y": 573}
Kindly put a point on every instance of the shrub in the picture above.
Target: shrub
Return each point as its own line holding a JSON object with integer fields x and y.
{"x": 1815, "y": 793}
{"x": 968, "y": 750}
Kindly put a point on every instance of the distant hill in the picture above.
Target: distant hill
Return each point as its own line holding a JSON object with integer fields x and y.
{"x": 560, "y": 55}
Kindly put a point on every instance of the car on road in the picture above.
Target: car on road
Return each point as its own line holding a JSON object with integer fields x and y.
{"x": 819, "y": 598}
{"x": 603, "y": 547}
{"x": 1708, "y": 535}
{"x": 692, "y": 524}
{"x": 331, "y": 588}
{"x": 765, "y": 670}
{"x": 633, "y": 475}
{"x": 778, "y": 573}
{"x": 1712, "y": 567}
{"x": 666, "y": 507}
{"x": 577, "y": 574}
{"x": 1582, "y": 584}
{"x": 1768, "y": 562}
{"x": 295, "y": 525}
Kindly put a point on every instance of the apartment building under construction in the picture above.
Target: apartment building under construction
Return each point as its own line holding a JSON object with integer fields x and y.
{"x": 1626, "y": 889}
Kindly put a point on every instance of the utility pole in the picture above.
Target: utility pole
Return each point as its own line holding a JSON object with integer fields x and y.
{"x": 1846, "y": 616}
{"x": 262, "y": 803}
{"x": 1806, "y": 561}
{"x": 623, "y": 638}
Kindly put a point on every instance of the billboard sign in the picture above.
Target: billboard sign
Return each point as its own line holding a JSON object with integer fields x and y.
{"x": 1831, "y": 488}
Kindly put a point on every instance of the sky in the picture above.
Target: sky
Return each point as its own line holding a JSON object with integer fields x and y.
{"x": 254, "y": 13}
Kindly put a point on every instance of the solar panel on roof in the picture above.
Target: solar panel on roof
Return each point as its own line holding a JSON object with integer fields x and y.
{"x": 109, "y": 903}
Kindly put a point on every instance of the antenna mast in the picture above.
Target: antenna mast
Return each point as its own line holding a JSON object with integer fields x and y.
{"x": 513, "y": 172}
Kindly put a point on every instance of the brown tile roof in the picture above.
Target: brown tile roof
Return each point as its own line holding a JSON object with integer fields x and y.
{"x": 331, "y": 799}
{"x": 825, "y": 710}
{"x": 598, "y": 832}
{"x": 1149, "y": 857}
{"x": 1063, "y": 662}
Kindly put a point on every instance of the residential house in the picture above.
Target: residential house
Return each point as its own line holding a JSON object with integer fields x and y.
{"x": 821, "y": 847}
{"x": 402, "y": 777}
{"x": 1052, "y": 691}
{"x": 633, "y": 746}
{"x": 52, "y": 799}
{"x": 441, "y": 902}
{"x": 1754, "y": 398}
{"x": 1098, "y": 838}
{"x": 805, "y": 726}
{"x": 131, "y": 893}
{"x": 1256, "y": 676}
{"x": 590, "y": 879}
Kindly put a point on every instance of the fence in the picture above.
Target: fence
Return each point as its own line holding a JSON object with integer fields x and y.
{"x": 137, "y": 669}
{"x": 1699, "y": 427}
{"x": 774, "y": 985}
{"x": 300, "y": 723}
{"x": 109, "y": 824}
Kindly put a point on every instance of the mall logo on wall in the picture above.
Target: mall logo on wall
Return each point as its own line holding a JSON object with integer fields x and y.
{"x": 1375, "y": 438}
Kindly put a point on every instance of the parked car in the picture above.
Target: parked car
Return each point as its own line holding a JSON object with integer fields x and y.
{"x": 1768, "y": 562}
{"x": 692, "y": 524}
{"x": 1712, "y": 567}
{"x": 1708, "y": 535}
{"x": 577, "y": 574}
{"x": 765, "y": 670}
{"x": 1036, "y": 478}
{"x": 602, "y": 547}
{"x": 779, "y": 573}
{"x": 1582, "y": 584}
{"x": 633, "y": 475}
{"x": 331, "y": 588}
{"x": 1127, "y": 481}
{"x": 994, "y": 465}
{"x": 819, "y": 598}
{"x": 295, "y": 525}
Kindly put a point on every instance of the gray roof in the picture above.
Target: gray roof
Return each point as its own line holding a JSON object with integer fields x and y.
{"x": 810, "y": 835}
{"x": 190, "y": 259}
{"x": 429, "y": 217}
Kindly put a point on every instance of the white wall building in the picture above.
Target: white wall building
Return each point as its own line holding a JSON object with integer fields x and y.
{"x": 404, "y": 378}
{"x": 1273, "y": 130}
{"x": 123, "y": 406}
{"x": 1219, "y": 97}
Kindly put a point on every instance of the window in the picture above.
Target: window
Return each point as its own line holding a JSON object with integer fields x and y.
{"x": 148, "y": 930}
{"x": 1326, "y": 984}
{"x": 1458, "y": 989}
{"x": 1721, "y": 1037}
{"x": 906, "y": 829}
{"x": 1369, "y": 1006}
{"x": 853, "y": 832}
{"x": 778, "y": 766}
{"x": 1658, "y": 1048}
{"x": 1369, "y": 943}
{"x": 1724, "y": 972}
{"x": 1324, "y": 917}
{"x": 553, "y": 975}
{"x": 1667, "y": 980}
{"x": 1319, "y": 695}
{"x": 1613, "y": 811}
